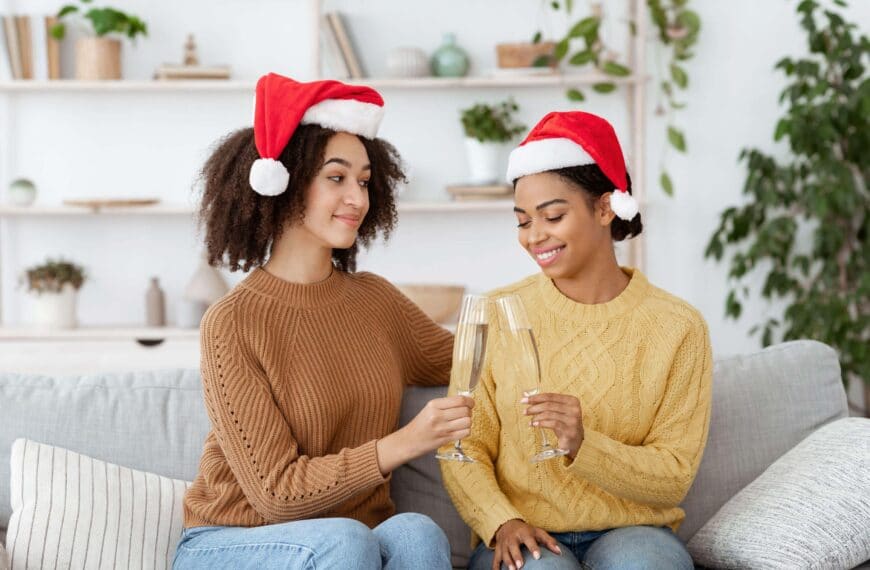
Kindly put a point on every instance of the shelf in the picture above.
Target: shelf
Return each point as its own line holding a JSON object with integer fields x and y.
{"x": 181, "y": 210}
{"x": 49, "y": 211}
{"x": 247, "y": 86}
{"x": 99, "y": 333}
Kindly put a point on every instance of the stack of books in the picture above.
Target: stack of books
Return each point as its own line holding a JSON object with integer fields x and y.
{"x": 469, "y": 192}
{"x": 31, "y": 52}
{"x": 340, "y": 55}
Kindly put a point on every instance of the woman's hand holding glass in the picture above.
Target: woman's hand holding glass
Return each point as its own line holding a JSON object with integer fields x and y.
{"x": 560, "y": 413}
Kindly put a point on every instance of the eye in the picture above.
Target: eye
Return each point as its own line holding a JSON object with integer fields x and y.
{"x": 556, "y": 218}
{"x": 524, "y": 224}
{"x": 364, "y": 184}
{"x": 337, "y": 178}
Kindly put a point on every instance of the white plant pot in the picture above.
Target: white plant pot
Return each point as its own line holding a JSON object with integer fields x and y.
{"x": 56, "y": 310}
{"x": 484, "y": 161}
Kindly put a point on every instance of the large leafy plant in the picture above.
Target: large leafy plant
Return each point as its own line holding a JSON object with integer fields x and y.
{"x": 677, "y": 28}
{"x": 103, "y": 21}
{"x": 805, "y": 225}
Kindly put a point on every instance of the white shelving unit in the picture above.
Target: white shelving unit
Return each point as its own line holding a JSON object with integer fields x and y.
{"x": 217, "y": 86}
{"x": 634, "y": 87}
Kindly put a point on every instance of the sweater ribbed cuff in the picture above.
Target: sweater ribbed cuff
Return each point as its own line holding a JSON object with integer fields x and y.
{"x": 496, "y": 516}
{"x": 590, "y": 457}
{"x": 366, "y": 471}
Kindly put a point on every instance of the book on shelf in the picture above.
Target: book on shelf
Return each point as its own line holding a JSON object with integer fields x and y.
{"x": 52, "y": 49}
{"x": 31, "y": 51}
{"x": 354, "y": 65}
{"x": 172, "y": 71}
{"x": 333, "y": 57}
{"x": 10, "y": 40}
{"x": 25, "y": 45}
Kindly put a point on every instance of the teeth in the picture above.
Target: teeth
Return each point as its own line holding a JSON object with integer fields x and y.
{"x": 547, "y": 255}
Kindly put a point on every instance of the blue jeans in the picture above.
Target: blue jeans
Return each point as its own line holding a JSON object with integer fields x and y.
{"x": 408, "y": 540}
{"x": 629, "y": 548}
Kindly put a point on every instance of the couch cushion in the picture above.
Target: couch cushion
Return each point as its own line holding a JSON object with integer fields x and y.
{"x": 810, "y": 509}
{"x": 150, "y": 421}
{"x": 72, "y": 511}
{"x": 416, "y": 487}
{"x": 763, "y": 405}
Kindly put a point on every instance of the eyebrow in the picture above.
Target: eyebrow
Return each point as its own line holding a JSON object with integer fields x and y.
{"x": 345, "y": 163}
{"x": 542, "y": 205}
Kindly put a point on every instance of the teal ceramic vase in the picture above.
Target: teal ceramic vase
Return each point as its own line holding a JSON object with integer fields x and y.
{"x": 449, "y": 60}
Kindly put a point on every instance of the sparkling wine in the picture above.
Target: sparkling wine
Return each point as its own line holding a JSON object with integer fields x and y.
{"x": 469, "y": 352}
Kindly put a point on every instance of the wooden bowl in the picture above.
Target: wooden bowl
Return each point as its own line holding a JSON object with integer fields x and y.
{"x": 439, "y": 302}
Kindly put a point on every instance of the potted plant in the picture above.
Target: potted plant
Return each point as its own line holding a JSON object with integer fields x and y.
{"x": 488, "y": 129}
{"x": 802, "y": 230}
{"x": 55, "y": 285}
{"x": 98, "y": 56}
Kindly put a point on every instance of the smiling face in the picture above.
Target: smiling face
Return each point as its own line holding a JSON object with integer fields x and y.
{"x": 563, "y": 230}
{"x": 337, "y": 200}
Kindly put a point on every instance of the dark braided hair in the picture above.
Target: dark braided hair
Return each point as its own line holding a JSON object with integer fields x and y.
{"x": 593, "y": 183}
{"x": 241, "y": 225}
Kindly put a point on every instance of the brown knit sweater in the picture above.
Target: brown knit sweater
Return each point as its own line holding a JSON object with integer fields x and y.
{"x": 300, "y": 381}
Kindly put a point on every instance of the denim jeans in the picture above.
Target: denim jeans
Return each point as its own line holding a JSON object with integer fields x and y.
{"x": 408, "y": 540}
{"x": 629, "y": 548}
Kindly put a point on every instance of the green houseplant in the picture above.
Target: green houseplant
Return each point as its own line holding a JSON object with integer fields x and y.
{"x": 805, "y": 226}
{"x": 54, "y": 285}
{"x": 98, "y": 56}
{"x": 677, "y": 30}
{"x": 488, "y": 130}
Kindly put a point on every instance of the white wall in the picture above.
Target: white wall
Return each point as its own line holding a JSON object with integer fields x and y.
{"x": 133, "y": 144}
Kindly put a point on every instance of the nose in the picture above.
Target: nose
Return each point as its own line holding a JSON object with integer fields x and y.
{"x": 355, "y": 195}
{"x": 535, "y": 235}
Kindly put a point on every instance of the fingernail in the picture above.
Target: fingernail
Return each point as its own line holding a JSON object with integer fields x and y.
{"x": 536, "y": 554}
{"x": 512, "y": 567}
{"x": 524, "y": 400}
{"x": 535, "y": 424}
{"x": 519, "y": 563}
{"x": 559, "y": 550}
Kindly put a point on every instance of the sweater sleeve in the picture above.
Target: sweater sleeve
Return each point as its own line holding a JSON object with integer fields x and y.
{"x": 660, "y": 471}
{"x": 279, "y": 482}
{"x": 426, "y": 347}
{"x": 473, "y": 486}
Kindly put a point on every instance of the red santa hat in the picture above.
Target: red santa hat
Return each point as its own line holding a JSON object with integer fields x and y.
{"x": 574, "y": 138}
{"x": 282, "y": 104}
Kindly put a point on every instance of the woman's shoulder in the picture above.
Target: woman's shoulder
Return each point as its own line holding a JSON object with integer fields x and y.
{"x": 670, "y": 308}
{"x": 523, "y": 287}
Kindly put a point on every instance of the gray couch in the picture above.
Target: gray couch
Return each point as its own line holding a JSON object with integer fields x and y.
{"x": 763, "y": 404}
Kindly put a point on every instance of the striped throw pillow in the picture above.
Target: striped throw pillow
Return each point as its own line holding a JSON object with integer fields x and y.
{"x": 72, "y": 511}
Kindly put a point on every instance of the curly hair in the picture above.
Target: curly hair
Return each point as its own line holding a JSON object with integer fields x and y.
{"x": 593, "y": 183}
{"x": 241, "y": 225}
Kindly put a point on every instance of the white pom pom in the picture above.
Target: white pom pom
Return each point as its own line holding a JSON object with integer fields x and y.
{"x": 623, "y": 205}
{"x": 269, "y": 177}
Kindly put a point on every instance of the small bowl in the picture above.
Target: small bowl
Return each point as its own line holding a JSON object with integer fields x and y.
{"x": 439, "y": 302}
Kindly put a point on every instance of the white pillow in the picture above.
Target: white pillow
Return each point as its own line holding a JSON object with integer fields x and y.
{"x": 72, "y": 511}
{"x": 809, "y": 510}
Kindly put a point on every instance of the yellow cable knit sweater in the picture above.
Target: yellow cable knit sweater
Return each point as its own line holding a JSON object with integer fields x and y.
{"x": 641, "y": 367}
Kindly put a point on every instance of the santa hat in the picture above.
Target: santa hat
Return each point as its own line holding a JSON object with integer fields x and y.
{"x": 282, "y": 104}
{"x": 574, "y": 138}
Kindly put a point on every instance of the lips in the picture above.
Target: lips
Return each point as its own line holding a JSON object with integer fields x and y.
{"x": 352, "y": 221}
{"x": 548, "y": 256}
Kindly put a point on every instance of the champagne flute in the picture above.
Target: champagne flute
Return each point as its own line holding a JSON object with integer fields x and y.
{"x": 469, "y": 351}
{"x": 526, "y": 362}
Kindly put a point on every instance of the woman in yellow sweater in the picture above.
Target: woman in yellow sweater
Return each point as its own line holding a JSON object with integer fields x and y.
{"x": 625, "y": 372}
{"x": 305, "y": 361}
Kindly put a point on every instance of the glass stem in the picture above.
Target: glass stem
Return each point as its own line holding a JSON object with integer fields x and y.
{"x": 545, "y": 443}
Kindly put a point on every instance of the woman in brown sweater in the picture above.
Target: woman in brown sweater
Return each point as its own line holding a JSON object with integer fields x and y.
{"x": 305, "y": 361}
